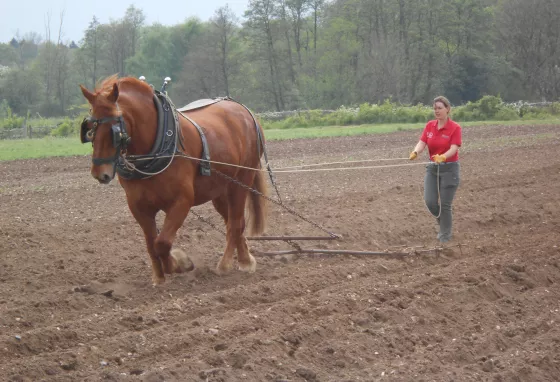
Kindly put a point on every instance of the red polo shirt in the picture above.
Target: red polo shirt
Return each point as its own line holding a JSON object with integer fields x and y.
{"x": 440, "y": 140}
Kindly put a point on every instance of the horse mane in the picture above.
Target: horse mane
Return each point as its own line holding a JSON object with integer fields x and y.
{"x": 105, "y": 86}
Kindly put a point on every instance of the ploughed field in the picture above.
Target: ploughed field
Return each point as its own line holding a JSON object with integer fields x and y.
{"x": 77, "y": 304}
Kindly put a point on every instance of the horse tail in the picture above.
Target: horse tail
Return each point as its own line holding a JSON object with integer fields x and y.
{"x": 257, "y": 206}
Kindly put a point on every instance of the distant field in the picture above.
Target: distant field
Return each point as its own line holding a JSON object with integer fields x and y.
{"x": 11, "y": 149}
{"x": 50, "y": 147}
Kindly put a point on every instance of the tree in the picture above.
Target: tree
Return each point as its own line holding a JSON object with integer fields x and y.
{"x": 133, "y": 21}
{"x": 260, "y": 24}
{"x": 153, "y": 57}
{"x": 117, "y": 46}
{"x": 91, "y": 48}
{"x": 121, "y": 39}
{"x": 222, "y": 34}
{"x": 316, "y": 6}
{"x": 211, "y": 63}
{"x": 20, "y": 89}
{"x": 8, "y": 54}
{"x": 531, "y": 40}
{"x": 54, "y": 64}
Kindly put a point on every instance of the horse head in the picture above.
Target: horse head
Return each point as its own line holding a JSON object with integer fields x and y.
{"x": 105, "y": 129}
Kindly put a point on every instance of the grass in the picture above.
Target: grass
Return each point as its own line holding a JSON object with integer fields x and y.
{"x": 52, "y": 147}
{"x": 338, "y": 131}
{"x": 11, "y": 149}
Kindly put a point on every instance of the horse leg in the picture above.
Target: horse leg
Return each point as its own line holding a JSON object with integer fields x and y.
{"x": 147, "y": 221}
{"x": 225, "y": 264}
{"x": 247, "y": 262}
{"x": 236, "y": 229}
{"x": 174, "y": 219}
{"x": 221, "y": 205}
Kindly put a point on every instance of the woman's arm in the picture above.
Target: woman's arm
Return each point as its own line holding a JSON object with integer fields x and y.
{"x": 452, "y": 150}
{"x": 420, "y": 146}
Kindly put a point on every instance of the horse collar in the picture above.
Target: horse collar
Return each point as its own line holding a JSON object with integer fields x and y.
{"x": 163, "y": 148}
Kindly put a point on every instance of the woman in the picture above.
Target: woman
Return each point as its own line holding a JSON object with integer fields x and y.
{"x": 443, "y": 138}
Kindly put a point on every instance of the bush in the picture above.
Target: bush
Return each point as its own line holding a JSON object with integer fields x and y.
{"x": 536, "y": 113}
{"x": 67, "y": 127}
{"x": 8, "y": 120}
{"x": 489, "y": 106}
{"x": 555, "y": 108}
{"x": 506, "y": 114}
{"x": 486, "y": 109}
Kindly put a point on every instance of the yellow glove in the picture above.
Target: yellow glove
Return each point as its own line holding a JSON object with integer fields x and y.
{"x": 439, "y": 158}
{"x": 413, "y": 155}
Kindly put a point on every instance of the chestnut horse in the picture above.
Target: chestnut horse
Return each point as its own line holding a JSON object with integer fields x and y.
{"x": 233, "y": 137}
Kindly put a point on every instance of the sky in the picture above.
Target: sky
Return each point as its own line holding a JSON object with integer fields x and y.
{"x": 25, "y": 16}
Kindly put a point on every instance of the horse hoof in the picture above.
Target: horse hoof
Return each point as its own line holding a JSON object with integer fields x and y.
{"x": 249, "y": 268}
{"x": 182, "y": 261}
{"x": 156, "y": 281}
{"x": 222, "y": 268}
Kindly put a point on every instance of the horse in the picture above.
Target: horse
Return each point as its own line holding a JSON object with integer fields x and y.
{"x": 124, "y": 126}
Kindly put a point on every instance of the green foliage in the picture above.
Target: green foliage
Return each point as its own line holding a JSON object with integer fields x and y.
{"x": 9, "y": 120}
{"x": 68, "y": 127}
{"x": 161, "y": 51}
{"x": 8, "y": 55}
{"x": 488, "y": 108}
{"x": 506, "y": 114}
{"x": 387, "y": 112}
{"x": 528, "y": 112}
{"x": 63, "y": 129}
{"x": 4, "y": 109}
{"x": 309, "y": 55}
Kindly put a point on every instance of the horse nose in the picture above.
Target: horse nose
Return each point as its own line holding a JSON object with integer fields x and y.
{"x": 104, "y": 178}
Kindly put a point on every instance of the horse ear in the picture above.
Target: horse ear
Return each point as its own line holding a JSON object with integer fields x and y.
{"x": 89, "y": 95}
{"x": 114, "y": 94}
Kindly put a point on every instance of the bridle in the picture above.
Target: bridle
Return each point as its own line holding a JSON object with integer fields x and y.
{"x": 121, "y": 139}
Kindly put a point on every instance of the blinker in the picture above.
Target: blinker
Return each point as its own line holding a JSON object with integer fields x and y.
{"x": 117, "y": 135}
{"x": 86, "y": 134}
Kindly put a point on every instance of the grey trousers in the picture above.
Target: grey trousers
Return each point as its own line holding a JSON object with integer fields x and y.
{"x": 449, "y": 179}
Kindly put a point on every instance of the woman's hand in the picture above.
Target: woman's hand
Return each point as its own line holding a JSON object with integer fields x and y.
{"x": 439, "y": 158}
{"x": 413, "y": 155}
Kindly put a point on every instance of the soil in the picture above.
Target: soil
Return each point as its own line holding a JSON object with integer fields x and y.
{"x": 77, "y": 303}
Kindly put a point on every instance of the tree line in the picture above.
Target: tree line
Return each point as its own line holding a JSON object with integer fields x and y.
{"x": 302, "y": 54}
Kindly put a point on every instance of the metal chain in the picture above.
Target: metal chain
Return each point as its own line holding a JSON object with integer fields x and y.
{"x": 295, "y": 245}
{"x": 273, "y": 181}
{"x": 279, "y": 203}
{"x": 203, "y": 219}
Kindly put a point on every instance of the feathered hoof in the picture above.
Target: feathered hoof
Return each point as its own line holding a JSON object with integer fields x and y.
{"x": 157, "y": 281}
{"x": 182, "y": 261}
{"x": 251, "y": 267}
{"x": 224, "y": 267}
